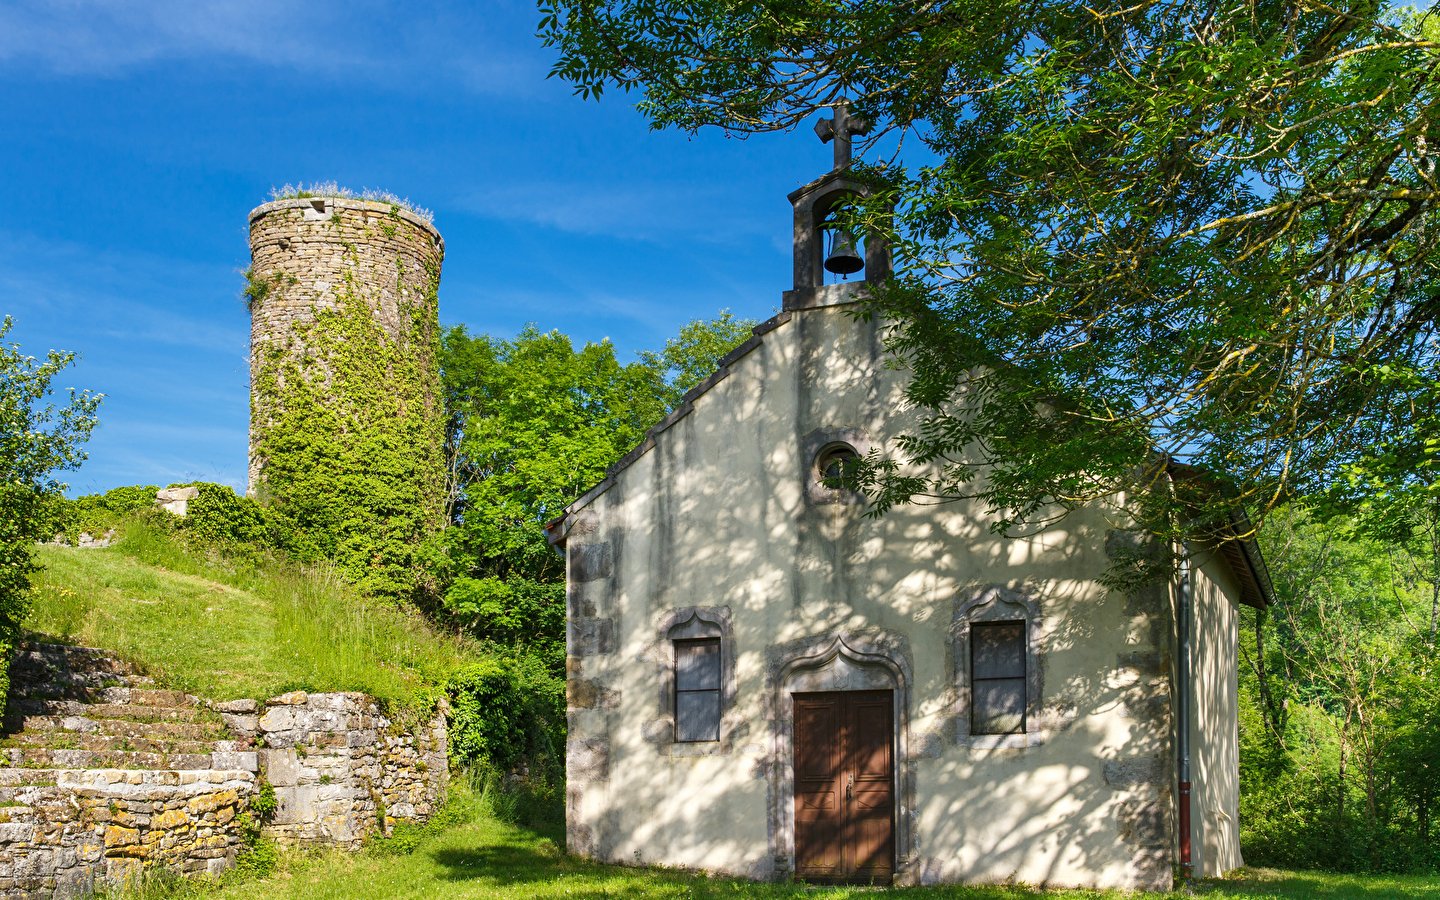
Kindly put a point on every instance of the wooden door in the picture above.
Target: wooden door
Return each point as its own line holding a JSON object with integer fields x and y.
{"x": 845, "y": 786}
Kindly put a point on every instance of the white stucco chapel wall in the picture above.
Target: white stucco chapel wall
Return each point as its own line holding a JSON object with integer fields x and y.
{"x": 722, "y": 528}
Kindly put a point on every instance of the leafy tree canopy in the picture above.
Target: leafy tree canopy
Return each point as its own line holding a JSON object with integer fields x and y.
{"x": 533, "y": 423}
{"x": 36, "y": 441}
{"x": 1162, "y": 230}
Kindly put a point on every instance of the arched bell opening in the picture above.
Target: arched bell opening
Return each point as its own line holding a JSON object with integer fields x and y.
{"x": 840, "y": 251}
{"x": 856, "y": 260}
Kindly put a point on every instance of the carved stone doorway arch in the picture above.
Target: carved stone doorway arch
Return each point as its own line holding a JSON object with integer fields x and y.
{"x": 837, "y": 661}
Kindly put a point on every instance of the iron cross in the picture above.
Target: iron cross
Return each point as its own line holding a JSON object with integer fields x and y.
{"x": 839, "y": 129}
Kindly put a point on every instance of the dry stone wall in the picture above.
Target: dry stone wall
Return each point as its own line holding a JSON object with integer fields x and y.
{"x": 63, "y": 833}
{"x": 103, "y": 775}
{"x": 343, "y": 771}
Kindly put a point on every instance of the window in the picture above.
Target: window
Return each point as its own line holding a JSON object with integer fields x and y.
{"x": 997, "y": 677}
{"x": 833, "y": 462}
{"x": 697, "y": 690}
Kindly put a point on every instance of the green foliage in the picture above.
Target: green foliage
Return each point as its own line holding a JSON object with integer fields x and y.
{"x": 462, "y": 807}
{"x": 532, "y": 423}
{"x": 518, "y": 799}
{"x": 264, "y": 804}
{"x": 355, "y": 475}
{"x": 228, "y": 627}
{"x": 259, "y": 859}
{"x": 219, "y": 517}
{"x": 1340, "y": 705}
{"x": 257, "y": 288}
{"x": 694, "y": 354}
{"x": 1152, "y": 230}
{"x": 507, "y": 713}
{"x": 95, "y": 513}
{"x": 36, "y": 440}
{"x": 514, "y": 613}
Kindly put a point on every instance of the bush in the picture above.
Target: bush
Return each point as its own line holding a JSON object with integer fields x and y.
{"x": 507, "y": 713}
{"x": 219, "y": 516}
{"x": 95, "y": 514}
{"x": 461, "y": 808}
{"x": 36, "y": 441}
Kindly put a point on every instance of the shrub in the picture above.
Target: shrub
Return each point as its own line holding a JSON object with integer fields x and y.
{"x": 36, "y": 441}
{"x": 507, "y": 713}
{"x": 461, "y": 808}
{"x": 265, "y": 804}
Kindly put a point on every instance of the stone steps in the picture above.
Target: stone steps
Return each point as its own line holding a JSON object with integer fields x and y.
{"x": 49, "y": 692}
{"x": 81, "y": 708}
{"x": 47, "y": 758}
{"x": 82, "y": 689}
{"x": 54, "y": 672}
{"x": 67, "y": 740}
{"x": 21, "y": 710}
{"x": 103, "y": 775}
{"x": 99, "y": 726}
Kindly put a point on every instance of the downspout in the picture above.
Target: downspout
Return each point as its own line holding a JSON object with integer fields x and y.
{"x": 1183, "y": 712}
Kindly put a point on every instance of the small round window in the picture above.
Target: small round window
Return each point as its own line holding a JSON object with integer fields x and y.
{"x": 833, "y": 463}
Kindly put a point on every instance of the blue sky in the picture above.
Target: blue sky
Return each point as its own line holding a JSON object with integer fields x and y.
{"x": 135, "y": 137}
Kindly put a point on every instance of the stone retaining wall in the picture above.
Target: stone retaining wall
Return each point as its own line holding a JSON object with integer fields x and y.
{"x": 62, "y": 831}
{"x": 342, "y": 770}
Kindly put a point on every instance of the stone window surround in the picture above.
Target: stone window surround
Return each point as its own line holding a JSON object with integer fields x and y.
{"x": 996, "y": 603}
{"x": 807, "y": 665}
{"x": 690, "y": 623}
{"x": 819, "y": 442}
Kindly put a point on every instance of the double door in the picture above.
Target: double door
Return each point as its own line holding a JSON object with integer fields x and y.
{"x": 845, "y": 786}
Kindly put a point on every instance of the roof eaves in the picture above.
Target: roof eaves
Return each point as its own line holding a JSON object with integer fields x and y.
{"x": 1240, "y": 549}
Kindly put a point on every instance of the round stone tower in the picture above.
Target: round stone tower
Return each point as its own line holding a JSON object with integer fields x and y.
{"x": 346, "y": 414}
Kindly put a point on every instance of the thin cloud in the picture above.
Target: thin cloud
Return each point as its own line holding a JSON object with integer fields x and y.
{"x": 52, "y": 280}
{"x": 379, "y": 42}
{"x": 633, "y": 212}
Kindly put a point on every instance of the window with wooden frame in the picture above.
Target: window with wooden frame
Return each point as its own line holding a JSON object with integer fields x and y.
{"x": 997, "y": 677}
{"x": 697, "y": 690}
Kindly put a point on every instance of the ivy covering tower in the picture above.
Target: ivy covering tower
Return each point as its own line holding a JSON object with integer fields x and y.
{"x": 346, "y": 415}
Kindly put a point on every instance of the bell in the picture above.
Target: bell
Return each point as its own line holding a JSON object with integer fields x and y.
{"x": 843, "y": 258}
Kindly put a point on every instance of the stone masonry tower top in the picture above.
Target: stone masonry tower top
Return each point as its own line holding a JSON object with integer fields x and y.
{"x": 303, "y": 241}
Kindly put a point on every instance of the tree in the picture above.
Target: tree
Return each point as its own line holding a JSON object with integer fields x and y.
{"x": 1339, "y": 696}
{"x": 693, "y": 355}
{"x": 532, "y": 424}
{"x": 36, "y": 441}
{"x": 1162, "y": 230}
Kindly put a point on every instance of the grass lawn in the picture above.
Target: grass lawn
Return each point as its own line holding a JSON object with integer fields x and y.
{"x": 488, "y": 859}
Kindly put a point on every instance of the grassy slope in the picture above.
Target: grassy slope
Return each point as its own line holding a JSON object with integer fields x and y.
{"x": 192, "y": 633}
{"x": 486, "y": 859}
{"x": 226, "y": 633}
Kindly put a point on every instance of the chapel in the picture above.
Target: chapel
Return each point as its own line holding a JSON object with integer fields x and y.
{"x": 764, "y": 682}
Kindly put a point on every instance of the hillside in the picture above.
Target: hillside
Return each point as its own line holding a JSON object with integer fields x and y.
{"x": 227, "y": 631}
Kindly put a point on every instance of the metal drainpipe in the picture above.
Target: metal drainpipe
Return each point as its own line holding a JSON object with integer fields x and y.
{"x": 1183, "y": 689}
